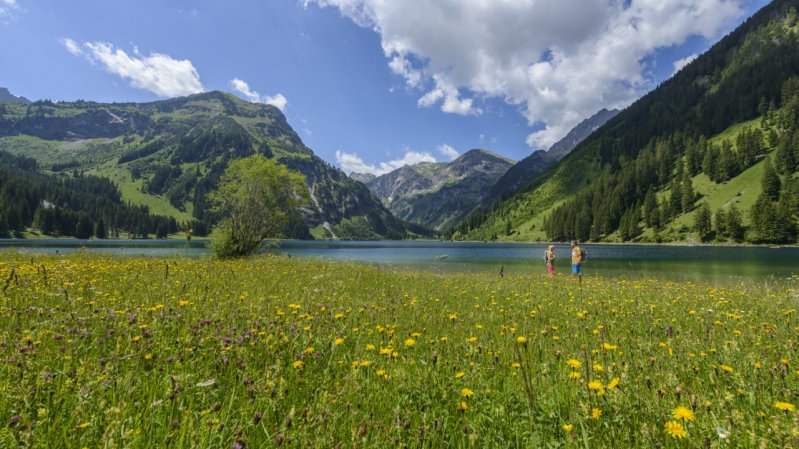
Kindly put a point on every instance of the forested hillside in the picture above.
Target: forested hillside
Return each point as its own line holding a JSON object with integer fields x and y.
{"x": 168, "y": 155}
{"x": 78, "y": 205}
{"x": 709, "y": 155}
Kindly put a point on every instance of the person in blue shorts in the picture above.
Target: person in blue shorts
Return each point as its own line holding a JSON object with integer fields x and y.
{"x": 577, "y": 259}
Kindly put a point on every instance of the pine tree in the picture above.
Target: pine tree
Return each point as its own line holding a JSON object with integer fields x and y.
{"x": 84, "y": 227}
{"x": 734, "y": 224}
{"x": 703, "y": 224}
{"x": 688, "y": 196}
{"x": 770, "y": 182}
{"x": 99, "y": 229}
{"x": 720, "y": 224}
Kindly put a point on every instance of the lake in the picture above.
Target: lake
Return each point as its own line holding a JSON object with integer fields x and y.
{"x": 718, "y": 264}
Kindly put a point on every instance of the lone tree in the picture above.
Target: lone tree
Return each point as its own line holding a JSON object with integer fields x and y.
{"x": 255, "y": 198}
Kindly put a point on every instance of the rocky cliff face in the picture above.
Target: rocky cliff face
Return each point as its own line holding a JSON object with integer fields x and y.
{"x": 439, "y": 195}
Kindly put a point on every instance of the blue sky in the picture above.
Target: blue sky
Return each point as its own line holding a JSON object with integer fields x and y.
{"x": 369, "y": 85}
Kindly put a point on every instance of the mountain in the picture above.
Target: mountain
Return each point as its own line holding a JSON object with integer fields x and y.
{"x": 711, "y": 154}
{"x": 169, "y": 154}
{"x": 439, "y": 194}
{"x": 533, "y": 165}
{"x": 362, "y": 177}
{"x": 8, "y": 97}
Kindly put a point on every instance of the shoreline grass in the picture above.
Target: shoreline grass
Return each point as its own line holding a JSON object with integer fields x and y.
{"x": 102, "y": 351}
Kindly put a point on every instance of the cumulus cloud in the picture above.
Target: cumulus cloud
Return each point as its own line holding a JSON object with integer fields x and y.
{"x": 351, "y": 162}
{"x": 559, "y": 62}
{"x": 278, "y": 100}
{"x": 448, "y": 152}
{"x": 158, "y": 73}
{"x": 680, "y": 63}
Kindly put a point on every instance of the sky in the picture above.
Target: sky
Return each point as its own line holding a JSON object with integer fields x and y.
{"x": 370, "y": 85}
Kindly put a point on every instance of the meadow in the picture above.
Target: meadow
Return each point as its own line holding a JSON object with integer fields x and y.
{"x": 112, "y": 352}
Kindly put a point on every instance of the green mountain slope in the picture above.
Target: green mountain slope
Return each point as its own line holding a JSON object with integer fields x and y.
{"x": 439, "y": 195}
{"x": 169, "y": 154}
{"x": 704, "y": 136}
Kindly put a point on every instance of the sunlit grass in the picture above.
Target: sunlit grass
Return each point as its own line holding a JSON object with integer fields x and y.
{"x": 266, "y": 352}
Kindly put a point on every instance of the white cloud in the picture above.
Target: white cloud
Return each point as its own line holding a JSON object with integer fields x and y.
{"x": 71, "y": 46}
{"x": 449, "y": 152}
{"x": 558, "y": 61}
{"x": 278, "y": 100}
{"x": 157, "y": 73}
{"x": 680, "y": 63}
{"x": 351, "y": 162}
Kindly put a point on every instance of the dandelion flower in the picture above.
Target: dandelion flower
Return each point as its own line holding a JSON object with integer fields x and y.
{"x": 568, "y": 428}
{"x": 787, "y": 406}
{"x": 613, "y": 383}
{"x": 463, "y": 405}
{"x": 338, "y": 341}
{"x": 297, "y": 364}
{"x": 683, "y": 413}
{"x": 574, "y": 363}
{"x": 459, "y": 374}
{"x": 596, "y": 413}
{"x": 83, "y": 425}
{"x": 521, "y": 339}
{"x": 726, "y": 368}
{"x": 410, "y": 342}
{"x": 675, "y": 429}
{"x": 467, "y": 393}
{"x": 148, "y": 356}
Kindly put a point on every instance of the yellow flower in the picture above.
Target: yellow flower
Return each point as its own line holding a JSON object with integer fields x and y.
{"x": 575, "y": 375}
{"x": 574, "y": 363}
{"x": 83, "y": 425}
{"x": 675, "y": 430}
{"x": 613, "y": 383}
{"x": 609, "y": 347}
{"x": 297, "y": 364}
{"x": 726, "y": 368}
{"x": 148, "y": 356}
{"x": 308, "y": 350}
{"x": 787, "y": 406}
{"x": 410, "y": 342}
{"x": 683, "y": 413}
{"x": 521, "y": 339}
{"x": 596, "y": 413}
{"x": 463, "y": 405}
{"x": 338, "y": 341}
{"x": 467, "y": 393}
{"x": 459, "y": 374}
{"x": 568, "y": 428}
{"x": 597, "y": 367}
{"x": 370, "y": 347}
{"x": 595, "y": 385}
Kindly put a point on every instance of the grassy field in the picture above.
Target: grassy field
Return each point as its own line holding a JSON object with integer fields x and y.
{"x": 104, "y": 352}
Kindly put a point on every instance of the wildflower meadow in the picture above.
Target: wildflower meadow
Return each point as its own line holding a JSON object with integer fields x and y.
{"x": 113, "y": 352}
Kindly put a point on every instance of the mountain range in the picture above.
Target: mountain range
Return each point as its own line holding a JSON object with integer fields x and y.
{"x": 438, "y": 195}
{"x": 711, "y": 154}
{"x": 167, "y": 155}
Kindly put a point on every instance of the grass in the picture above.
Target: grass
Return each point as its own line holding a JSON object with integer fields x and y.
{"x": 131, "y": 191}
{"x": 98, "y": 351}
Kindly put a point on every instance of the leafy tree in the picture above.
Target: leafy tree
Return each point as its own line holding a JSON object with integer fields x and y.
{"x": 255, "y": 197}
{"x": 703, "y": 224}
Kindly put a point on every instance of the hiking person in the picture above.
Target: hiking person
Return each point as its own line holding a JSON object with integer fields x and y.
{"x": 578, "y": 257}
{"x": 549, "y": 260}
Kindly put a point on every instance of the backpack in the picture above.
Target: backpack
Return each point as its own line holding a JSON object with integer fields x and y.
{"x": 583, "y": 255}
{"x": 546, "y": 259}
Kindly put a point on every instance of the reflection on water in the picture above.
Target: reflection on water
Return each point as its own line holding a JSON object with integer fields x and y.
{"x": 674, "y": 262}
